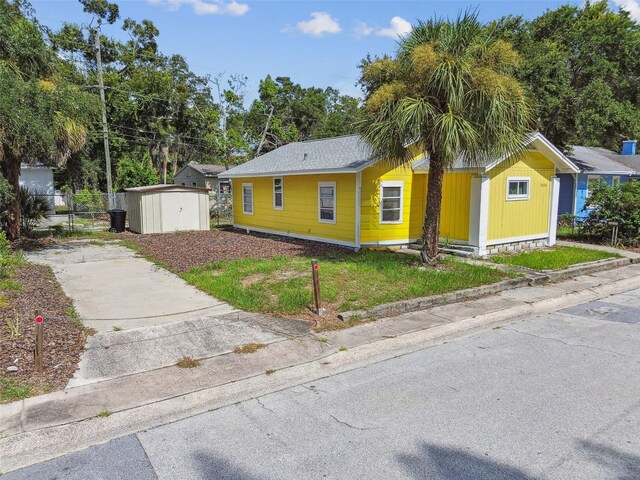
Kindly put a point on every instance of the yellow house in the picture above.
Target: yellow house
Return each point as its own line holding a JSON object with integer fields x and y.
{"x": 333, "y": 190}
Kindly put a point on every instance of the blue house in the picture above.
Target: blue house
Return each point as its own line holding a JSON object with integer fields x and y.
{"x": 596, "y": 165}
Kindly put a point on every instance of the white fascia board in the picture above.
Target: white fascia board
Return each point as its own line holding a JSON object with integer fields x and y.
{"x": 611, "y": 172}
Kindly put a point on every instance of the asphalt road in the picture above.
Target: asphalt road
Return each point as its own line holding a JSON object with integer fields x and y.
{"x": 554, "y": 396}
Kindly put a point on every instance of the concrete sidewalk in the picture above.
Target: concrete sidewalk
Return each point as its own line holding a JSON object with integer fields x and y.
{"x": 50, "y": 425}
{"x": 118, "y": 288}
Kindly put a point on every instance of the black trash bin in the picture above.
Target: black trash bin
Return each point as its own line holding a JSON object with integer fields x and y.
{"x": 118, "y": 218}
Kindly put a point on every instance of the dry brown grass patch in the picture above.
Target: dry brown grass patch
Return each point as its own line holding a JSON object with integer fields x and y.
{"x": 249, "y": 348}
{"x": 188, "y": 362}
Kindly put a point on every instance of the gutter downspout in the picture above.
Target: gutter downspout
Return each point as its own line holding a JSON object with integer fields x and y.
{"x": 358, "y": 208}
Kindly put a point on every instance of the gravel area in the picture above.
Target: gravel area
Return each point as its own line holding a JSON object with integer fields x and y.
{"x": 184, "y": 250}
{"x": 63, "y": 340}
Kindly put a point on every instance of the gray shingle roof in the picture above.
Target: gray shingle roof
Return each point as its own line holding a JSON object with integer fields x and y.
{"x": 631, "y": 161}
{"x": 348, "y": 153}
{"x": 597, "y": 160}
{"x": 208, "y": 170}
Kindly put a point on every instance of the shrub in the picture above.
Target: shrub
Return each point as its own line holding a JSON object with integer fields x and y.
{"x": 567, "y": 220}
{"x": 33, "y": 208}
{"x": 620, "y": 203}
{"x": 89, "y": 201}
{"x": 133, "y": 172}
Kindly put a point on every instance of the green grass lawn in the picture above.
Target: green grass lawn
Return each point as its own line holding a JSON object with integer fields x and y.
{"x": 12, "y": 389}
{"x": 347, "y": 281}
{"x": 555, "y": 258}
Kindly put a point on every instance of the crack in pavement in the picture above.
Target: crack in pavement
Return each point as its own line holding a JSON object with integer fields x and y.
{"x": 569, "y": 344}
{"x": 353, "y": 426}
{"x": 257, "y": 399}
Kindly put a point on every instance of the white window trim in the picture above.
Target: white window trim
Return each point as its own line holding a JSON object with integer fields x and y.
{"x": 335, "y": 201}
{"x": 273, "y": 183}
{"x": 614, "y": 179}
{"x": 392, "y": 184}
{"x": 591, "y": 177}
{"x": 519, "y": 197}
{"x": 249, "y": 186}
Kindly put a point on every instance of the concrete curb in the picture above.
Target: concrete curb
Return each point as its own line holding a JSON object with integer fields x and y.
{"x": 23, "y": 449}
{"x": 532, "y": 277}
{"x": 422, "y": 303}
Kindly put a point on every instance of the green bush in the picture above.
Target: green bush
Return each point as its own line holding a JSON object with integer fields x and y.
{"x": 88, "y": 201}
{"x": 621, "y": 204}
{"x": 567, "y": 220}
{"x": 33, "y": 209}
{"x": 135, "y": 173}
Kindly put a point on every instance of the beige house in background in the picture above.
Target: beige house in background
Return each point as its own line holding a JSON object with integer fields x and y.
{"x": 203, "y": 176}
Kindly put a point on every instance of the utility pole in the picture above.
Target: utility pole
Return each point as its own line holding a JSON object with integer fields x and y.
{"x": 105, "y": 127}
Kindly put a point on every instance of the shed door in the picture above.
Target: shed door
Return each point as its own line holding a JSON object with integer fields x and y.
{"x": 180, "y": 211}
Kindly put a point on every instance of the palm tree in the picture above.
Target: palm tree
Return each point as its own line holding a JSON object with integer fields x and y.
{"x": 449, "y": 92}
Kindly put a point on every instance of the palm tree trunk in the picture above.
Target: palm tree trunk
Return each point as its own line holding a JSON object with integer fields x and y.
{"x": 12, "y": 174}
{"x": 431, "y": 227}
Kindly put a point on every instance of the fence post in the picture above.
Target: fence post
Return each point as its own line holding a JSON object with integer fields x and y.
{"x": 39, "y": 342}
{"x": 316, "y": 287}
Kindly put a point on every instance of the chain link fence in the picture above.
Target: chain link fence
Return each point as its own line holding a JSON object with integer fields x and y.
{"x": 81, "y": 211}
{"x": 221, "y": 208}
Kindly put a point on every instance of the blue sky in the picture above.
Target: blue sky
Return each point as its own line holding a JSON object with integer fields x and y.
{"x": 316, "y": 43}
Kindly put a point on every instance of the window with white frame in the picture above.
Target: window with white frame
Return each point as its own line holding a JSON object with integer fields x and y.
{"x": 247, "y": 198}
{"x": 616, "y": 180}
{"x": 327, "y": 202}
{"x": 592, "y": 182}
{"x": 391, "y": 202}
{"x": 277, "y": 193}
{"x": 518, "y": 188}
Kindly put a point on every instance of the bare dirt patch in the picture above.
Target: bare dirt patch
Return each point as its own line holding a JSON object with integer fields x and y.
{"x": 184, "y": 250}
{"x": 63, "y": 339}
{"x": 252, "y": 279}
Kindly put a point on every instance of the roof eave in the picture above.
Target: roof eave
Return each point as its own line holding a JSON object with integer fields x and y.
{"x": 284, "y": 173}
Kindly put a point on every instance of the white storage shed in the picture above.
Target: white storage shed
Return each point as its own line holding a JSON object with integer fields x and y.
{"x": 167, "y": 208}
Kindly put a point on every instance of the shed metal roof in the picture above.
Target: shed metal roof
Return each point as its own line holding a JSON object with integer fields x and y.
{"x": 598, "y": 160}
{"x": 167, "y": 187}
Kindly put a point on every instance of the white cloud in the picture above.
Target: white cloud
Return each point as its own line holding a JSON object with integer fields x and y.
{"x": 399, "y": 28}
{"x": 631, "y": 6}
{"x": 320, "y": 23}
{"x": 206, "y": 7}
{"x": 362, "y": 30}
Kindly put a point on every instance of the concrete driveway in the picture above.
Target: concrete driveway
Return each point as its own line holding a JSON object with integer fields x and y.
{"x": 146, "y": 317}
{"x": 111, "y": 286}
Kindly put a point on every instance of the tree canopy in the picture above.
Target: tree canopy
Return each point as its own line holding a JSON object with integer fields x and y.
{"x": 580, "y": 64}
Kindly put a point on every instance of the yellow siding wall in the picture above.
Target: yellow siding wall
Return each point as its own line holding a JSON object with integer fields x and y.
{"x": 371, "y": 231}
{"x": 518, "y": 218}
{"x": 454, "y": 222}
{"x": 454, "y": 212}
{"x": 300, "y": 212}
